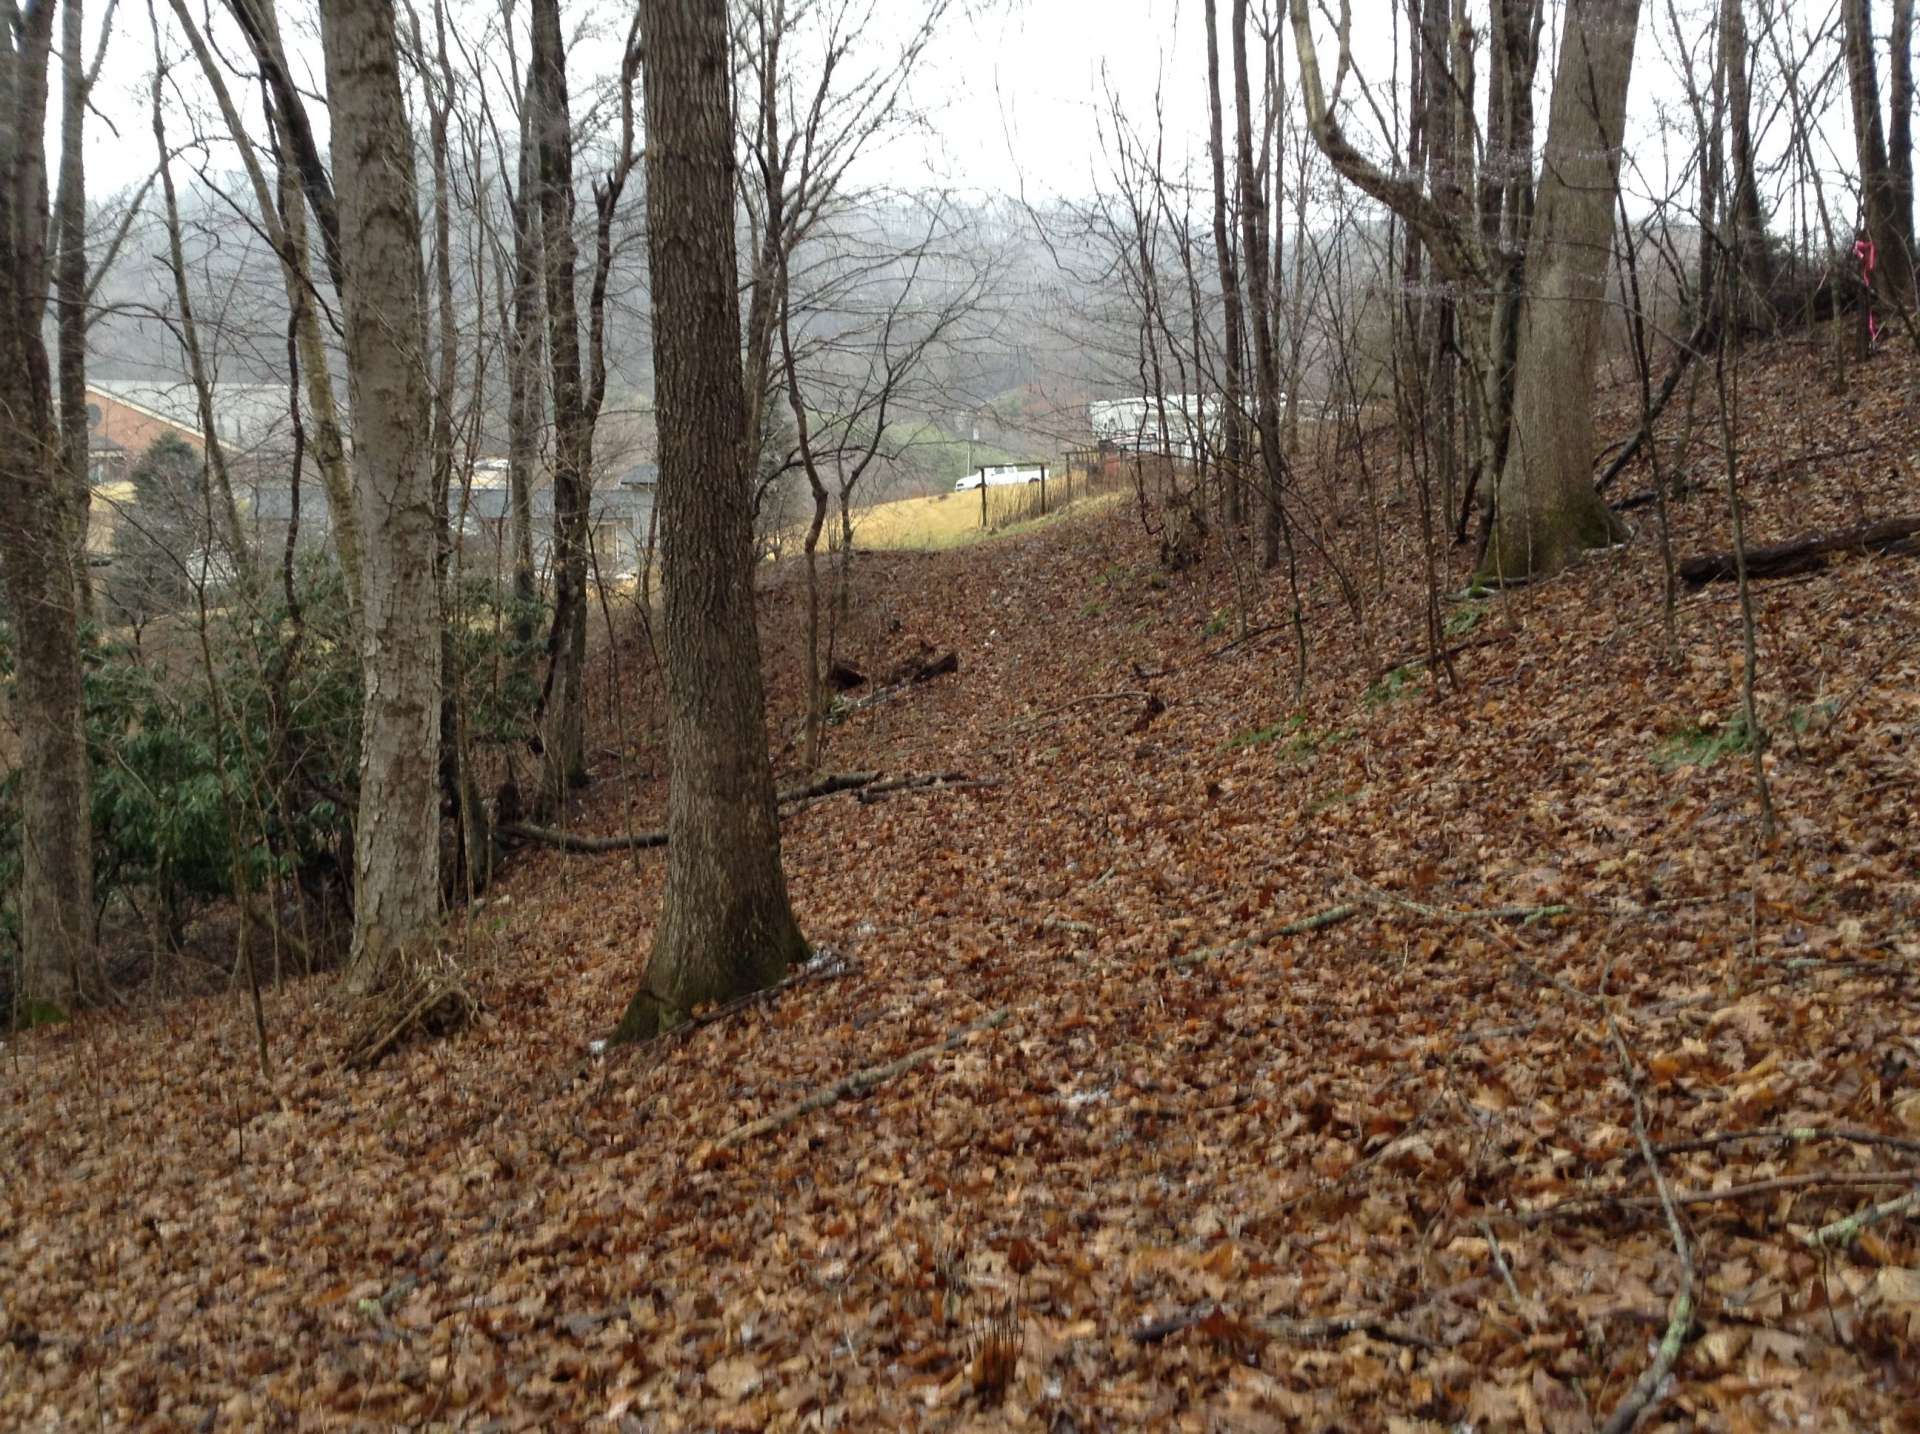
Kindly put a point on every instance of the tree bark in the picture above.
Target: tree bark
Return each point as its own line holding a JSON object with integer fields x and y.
{"x": 1893, "y": 272}
{"x": 396, "y": 831}
{"x": 70, "y": 282}
{"x": 725, "y": 925}
{"x": 1234, "y": 454}
{"x": 1253, "y": 250}
{"x": 1749, "y": 220}
{"x": 466, "y": 871}
{"x": 523, "y": 382}
{"x": 1545, "y": 507}
{"x": 213, "y": 452}
{"x": 56, "y": 890}
{"x": 563, "y": 729}
{"x": 1900, "y": 121}
{"x": 285, "y": 222}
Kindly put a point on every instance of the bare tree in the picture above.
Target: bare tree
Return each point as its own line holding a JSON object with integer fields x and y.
{"x": 186, "y": 328}
{"x": 396, "y": 835}
{"x": 1234, "y": 440}
{"x": 1540, "y": 446}
{"x": 1886, "y": 196}
{"x": 563, "y": 735}
{"x": 70, "y": 274}
{"x": 725, "y": 924}
{"x": 56, "y": 899}
{"x": 1253, "y": 249}
{"x": 282, "y": 212}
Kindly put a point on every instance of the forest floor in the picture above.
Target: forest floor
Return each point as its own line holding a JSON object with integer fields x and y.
{"x": 1220, "y": 1164}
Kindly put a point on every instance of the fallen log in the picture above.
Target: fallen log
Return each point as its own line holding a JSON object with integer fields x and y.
{"x": 1802, "y": 555}
{"x": 827, "y": 786}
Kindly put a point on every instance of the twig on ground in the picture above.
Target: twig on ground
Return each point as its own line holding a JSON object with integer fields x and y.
{"x": 859, "y": 1083}
{"x": 427, "y": 998}
{"x": 1586, "y": 1204}
{"x": 1244, "y": 638}
{"x": 1791, "y": 1135}
{"x": 1320, "y": 919}
{"x": 1420, "y": 659}
{"x": 942, "y": 781}
{"x": 1126, "y": 694}
{"x": 1304, "y": 1330}
{"x": 1650, "y": 1385}
{"x": 867, "y": 784}
{"x": 1842, "y": 1232}
{"x": 1506, "y": 1276}
{"x": 825, "y": 966}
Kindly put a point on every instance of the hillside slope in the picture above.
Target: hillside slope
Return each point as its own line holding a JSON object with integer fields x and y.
{"x": 1311, "y": 1106}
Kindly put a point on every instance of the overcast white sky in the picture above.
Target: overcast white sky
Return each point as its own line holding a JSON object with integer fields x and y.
{"x": 1013, "y": 92}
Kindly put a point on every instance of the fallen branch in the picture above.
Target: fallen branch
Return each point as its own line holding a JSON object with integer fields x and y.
{"x": 1244, "y": 639}
{"x": 859, "y": 1083}
{"x": 1842, "y": 1232}
{"x": 1332, "y": 916}
{"x": 576, "y": 842}
{"x": 1304, "y": 1330}
{"x": 1520, "y": 1305}
{"x": 1525, "y": 915}
{"x": 866, "y": 783}
{"x": 1790, "y": 1135}
{"x": 1587, "y": 1204}
{"x": 1652, "y": 1381}
{"x": 907, "y": 676}
{"x": 1091, "y": 697}
{"x": 1802, "y": 555}
{"x": 824, "y": 966}
{"x": 880, "y": 791}
{"x": 1694, "y": 345}
{"x": 1445, "y": 654}
{"x": 428, "y": 998}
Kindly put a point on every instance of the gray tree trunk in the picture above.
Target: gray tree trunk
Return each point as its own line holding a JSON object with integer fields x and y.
{"x": 1234, "y": 451}
{"x": 1900, "y": 121}
{"x": 1545, "y": 507}
{"x": 396, "y": 833}
{"x": 1750, "y": 223}
{"x": 70, "y": 285}
{"x": 1879, "y": 186}
{"x": 725, "y": 925}
{"x": 563, "y": 728}
{"x": 283, "y": 214}
{"x": 1253, "y": 249}
{"x": 56, "y": 890}
{"x": 523, "y": 379}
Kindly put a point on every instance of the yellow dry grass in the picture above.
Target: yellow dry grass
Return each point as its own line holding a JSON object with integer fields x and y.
{"x": 952, "y": 520}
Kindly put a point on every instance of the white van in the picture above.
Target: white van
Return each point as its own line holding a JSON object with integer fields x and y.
{"x": 999, "y": 475}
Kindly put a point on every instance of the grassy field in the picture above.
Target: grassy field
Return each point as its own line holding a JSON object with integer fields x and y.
{"x": 951, "y": 520}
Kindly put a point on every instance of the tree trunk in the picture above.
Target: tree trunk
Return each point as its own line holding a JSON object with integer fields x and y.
{"x": 212, "y": 452}
{"x": 396, "y": 832}
{"x": 1749, "y": 220}
{"x": 1545, "y": 507}
{"x": 301, "y": 182}
{"x": 1253, "y": 250}
{"x": 1900, "y": 122}
{"x": 563, "y": 700}
{"x": 725, "y": 924}
{"x": 1893, "y": 271}
{"x": 1234, "y": 454}
{"x": 56, "y": 889}
{"x": 70, "y": 309}
{"x": 523, "y": 381}
{"x": 471, "y": 847}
